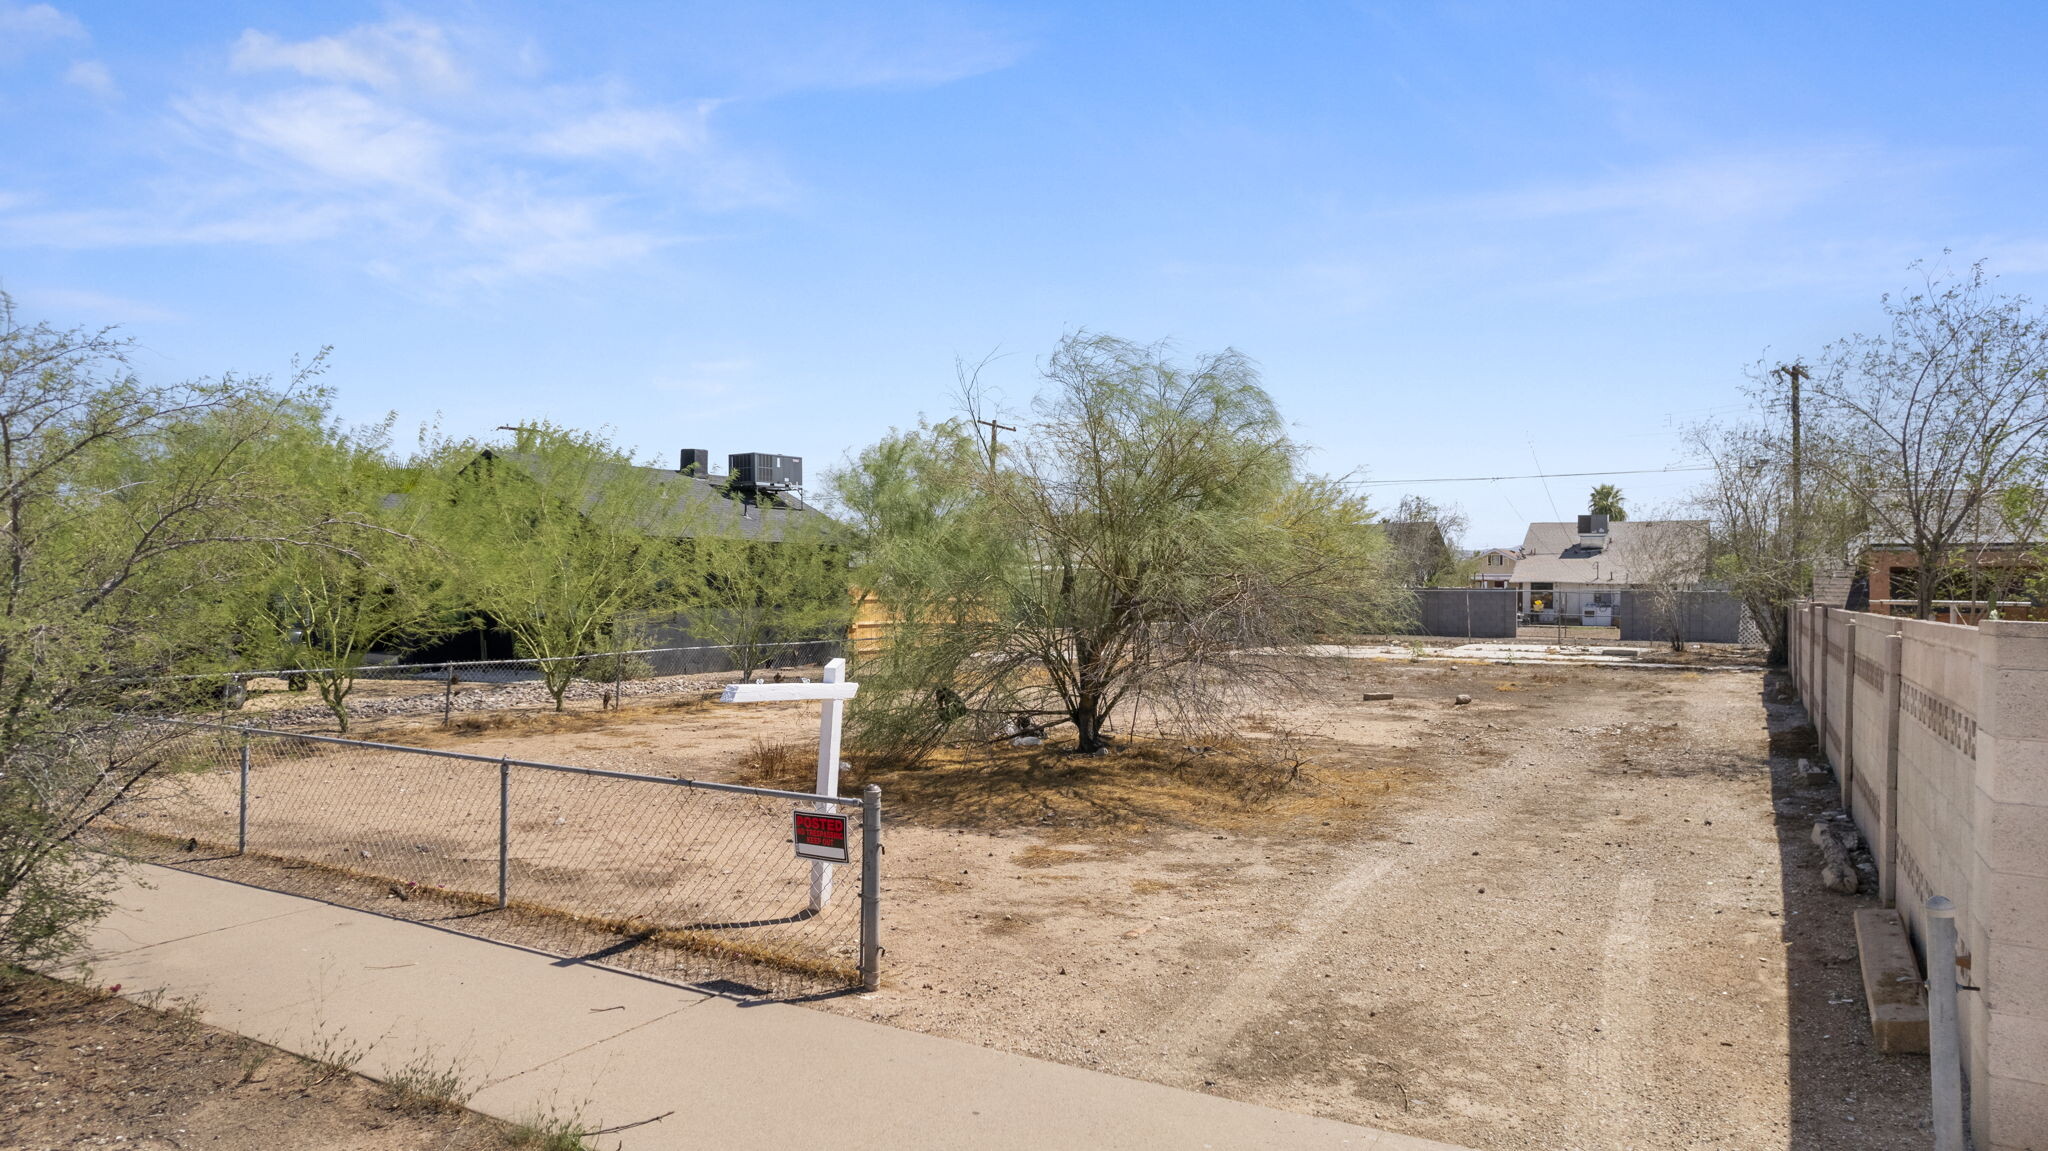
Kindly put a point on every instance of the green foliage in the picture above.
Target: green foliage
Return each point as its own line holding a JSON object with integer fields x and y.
{"x": 752, "y": 594}
{"x": 1138, "y": 542}
{"x": 1429, "y": 557}
{"x": 133, "y": 523}
{"x": 1606, "y": 500}
{"x": 558, "y": 539}
{"x": 1928, "y": 423}
{"x": 374, "y": 579}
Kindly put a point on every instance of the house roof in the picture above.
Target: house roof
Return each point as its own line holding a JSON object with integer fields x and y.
{"x": 1986, "y": 526}
{"x": 689, "y": 505}
{"x": 1637, "y": 552}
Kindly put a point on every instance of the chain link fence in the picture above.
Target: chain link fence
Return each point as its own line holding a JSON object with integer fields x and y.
{"x": 680, "y": 879}
{"x": 293, "y": 696}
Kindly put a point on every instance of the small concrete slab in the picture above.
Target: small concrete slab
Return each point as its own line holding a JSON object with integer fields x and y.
{"x": 1892, "y": 986}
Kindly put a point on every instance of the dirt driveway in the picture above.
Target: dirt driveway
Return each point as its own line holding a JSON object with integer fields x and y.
{"x": 1581, "y": 931}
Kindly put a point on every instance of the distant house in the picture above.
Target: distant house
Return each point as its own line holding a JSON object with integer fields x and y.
{"x": 1574, "y": 573}
{"x": 1983, "y": 575}
{"x": 758, "y": 499}
{"x": 1496, "y": 567}
{"x": 1993, "y": 566}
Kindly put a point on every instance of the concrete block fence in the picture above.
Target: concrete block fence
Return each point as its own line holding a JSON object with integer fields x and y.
{"x": 1938, "y": 734}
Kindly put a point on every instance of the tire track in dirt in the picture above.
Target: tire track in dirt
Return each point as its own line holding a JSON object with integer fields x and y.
{"x": 1460, "y": 1011}
{"x": 1610, "y": 1111}
{"x": 1208, "y": 1024}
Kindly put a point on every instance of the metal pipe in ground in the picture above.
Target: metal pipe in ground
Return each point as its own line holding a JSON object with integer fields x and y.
{"x": 504, "y": 832}
{"x": 871, "y": 887}
{"x": 1944, "y": 1034}
{"x": 242, "y": 815}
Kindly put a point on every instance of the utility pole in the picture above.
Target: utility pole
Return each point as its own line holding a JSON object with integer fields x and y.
{"x": 993, "y": 428}
{"x": 1794, "y": 374}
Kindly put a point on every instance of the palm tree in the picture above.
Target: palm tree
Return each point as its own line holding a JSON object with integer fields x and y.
{"x": 1607, "y": 502}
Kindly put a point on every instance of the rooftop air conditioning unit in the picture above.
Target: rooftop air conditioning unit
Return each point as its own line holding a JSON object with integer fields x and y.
{"x": 1593, "y": 531}
{"x": 765, "y": 471}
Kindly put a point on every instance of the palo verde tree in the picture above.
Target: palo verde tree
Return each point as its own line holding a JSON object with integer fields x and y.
{"x": 553, "y": 537}
{"x": 784, "y": 581}
{"x": 376, "y": 582}
{"x": 1931, "y": 420}
{"x": 132, "y": 516}
{"x": 1138, "y": 543}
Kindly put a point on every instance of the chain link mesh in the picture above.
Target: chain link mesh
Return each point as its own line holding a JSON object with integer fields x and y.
{"x": 290, "y": 697}
{"x": 682, "y": 880}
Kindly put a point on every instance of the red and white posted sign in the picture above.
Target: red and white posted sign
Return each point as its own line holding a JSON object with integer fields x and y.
{"x": 820, "y": 836}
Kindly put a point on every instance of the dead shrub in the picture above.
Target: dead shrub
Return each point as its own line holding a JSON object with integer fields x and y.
{"x": 780, "y": 764}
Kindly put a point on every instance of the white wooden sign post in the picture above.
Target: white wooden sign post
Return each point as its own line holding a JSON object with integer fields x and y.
{"x": 833, "y": 694}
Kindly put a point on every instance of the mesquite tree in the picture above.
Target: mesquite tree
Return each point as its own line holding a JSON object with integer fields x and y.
{"x": 1141, "y": 542}
{"x": 1930, "y": 422}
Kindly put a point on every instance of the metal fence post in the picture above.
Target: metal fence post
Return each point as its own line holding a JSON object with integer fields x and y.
{"x": 871, "y": 887}
{"x": 447, "y": 692}
{"x": 504, "y": 831}
{"x": 242, "y": 815}
{"x": 1944, "y": 1037}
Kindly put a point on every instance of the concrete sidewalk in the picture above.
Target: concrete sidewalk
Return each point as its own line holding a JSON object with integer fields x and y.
{"x": 543, "y": 1034}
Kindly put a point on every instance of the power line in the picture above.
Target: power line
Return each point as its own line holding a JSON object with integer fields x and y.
{"x": 1541, "y": 476}
{"x": 1545, "y": 479}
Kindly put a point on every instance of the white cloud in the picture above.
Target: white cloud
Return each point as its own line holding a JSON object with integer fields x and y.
{"x": 25, "y": 27}
{"x": 329, "y": 132}
{"x": 1706, "y": 189}
{"x": 770, "y": 47}
{"x": 1709, "y": 221}
{"x": 93, "y": 76}
{"x": 443, "y": 157}
{"x": 645, "y": 132}
{"x": 400, "y": 53}
{"x": 523, "y": 235}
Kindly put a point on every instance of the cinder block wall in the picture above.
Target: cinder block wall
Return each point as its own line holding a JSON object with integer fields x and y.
{"x": 1478, "y": 613}
{"x": 1939, "y": 735}
{"x": 1707, "y": 617}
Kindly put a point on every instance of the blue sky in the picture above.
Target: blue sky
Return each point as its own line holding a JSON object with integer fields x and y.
{"x": 1460, "y": 238}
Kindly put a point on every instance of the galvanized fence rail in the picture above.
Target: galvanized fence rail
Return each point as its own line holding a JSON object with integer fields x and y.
{"x": 291, "y": 695}
{"x": 688, "y": 880}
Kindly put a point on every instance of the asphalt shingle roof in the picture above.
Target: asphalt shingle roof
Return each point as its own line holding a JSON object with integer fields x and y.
{"x": 1637, "y": 551}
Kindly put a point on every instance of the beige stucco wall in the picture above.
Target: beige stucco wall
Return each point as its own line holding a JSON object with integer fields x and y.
{"x": 1942, "y": 748}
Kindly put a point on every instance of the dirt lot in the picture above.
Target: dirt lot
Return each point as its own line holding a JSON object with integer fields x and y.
{"x": 1580, "y": 911}
{"x": 79, "y": 1068}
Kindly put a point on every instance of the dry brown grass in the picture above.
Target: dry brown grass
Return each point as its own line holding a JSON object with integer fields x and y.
{"x": 795, "y": 764}
{"x": 1039, "y": 855}
{"x": 1274, "y": 776}
{"x": 428, "y": 732}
